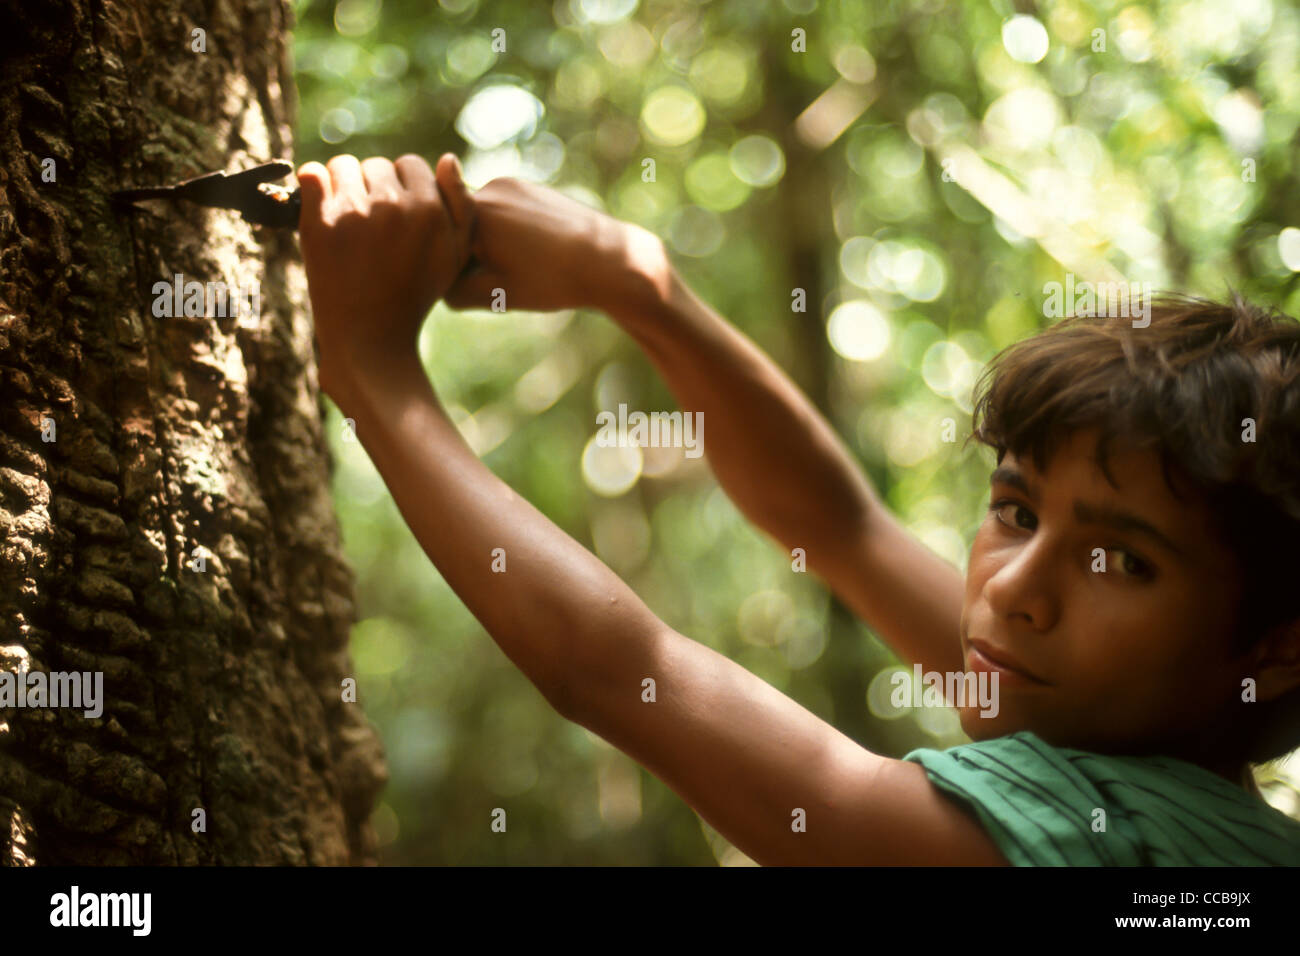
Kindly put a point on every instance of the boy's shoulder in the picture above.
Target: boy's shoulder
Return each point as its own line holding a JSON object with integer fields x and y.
{"x": 1046, "y": 805}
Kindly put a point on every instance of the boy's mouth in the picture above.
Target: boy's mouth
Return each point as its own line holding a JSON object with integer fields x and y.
{"x": 985, "y": 657}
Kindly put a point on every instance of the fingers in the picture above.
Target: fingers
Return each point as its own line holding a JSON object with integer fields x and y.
{"x": 416, "y": 176}
{"x": 345, "y": 183}
{"x": 348, "y": 182}
{"x": 446, "y": 188}
{"x": 381, "y": 179}
{"x": 315, "y": 189}
{"x": 455, "y": 192}
{"x": 354, "y": 181}
{"x": 459, "y": 202}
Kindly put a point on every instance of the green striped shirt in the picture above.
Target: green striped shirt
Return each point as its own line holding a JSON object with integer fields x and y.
{"x": 1040, "y": 804}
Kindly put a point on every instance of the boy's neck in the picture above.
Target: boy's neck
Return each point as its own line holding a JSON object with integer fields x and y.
{"x": 1250, "y": 784}
{"x": 1216, "y": 755}
{"x": 1238, "y": 774}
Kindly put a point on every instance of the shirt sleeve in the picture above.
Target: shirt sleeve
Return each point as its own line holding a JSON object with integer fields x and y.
{"x": 1034, "y": 804}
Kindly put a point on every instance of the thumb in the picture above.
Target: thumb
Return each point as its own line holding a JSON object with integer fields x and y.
{"x": 455, "y": 192}
{"x": 314, "y": 188}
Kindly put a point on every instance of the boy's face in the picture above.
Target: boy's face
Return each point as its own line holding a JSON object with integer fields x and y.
{"x": 1135, "y": 658}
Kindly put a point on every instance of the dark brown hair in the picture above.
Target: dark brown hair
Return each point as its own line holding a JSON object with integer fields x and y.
{"x": 1182, "y": 386}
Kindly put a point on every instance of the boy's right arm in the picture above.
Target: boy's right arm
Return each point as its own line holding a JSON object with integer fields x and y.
{"x": 773, "y": 453}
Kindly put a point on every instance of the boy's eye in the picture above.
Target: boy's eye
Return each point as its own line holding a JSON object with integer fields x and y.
{"x": 1130, "y": 565}
{"x": 998, "y": 506}
{"x": 1133, "y": 565}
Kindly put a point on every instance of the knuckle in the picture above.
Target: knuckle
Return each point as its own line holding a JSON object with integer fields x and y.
{"x": 502, "y": 189}
{"x": 410, "y": 159}
{"x": 428, "y": 210}
{"x": 441, "y": 223}
{"x": 349, "y": 219}
{"x": 386, "y": 210}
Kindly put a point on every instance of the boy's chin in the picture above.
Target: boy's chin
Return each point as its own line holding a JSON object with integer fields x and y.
{"x": 1008, "y": 722}
{"x": 980, "y": 724}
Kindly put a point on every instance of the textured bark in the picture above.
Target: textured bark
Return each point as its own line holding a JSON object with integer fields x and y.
{"x": 174, "y": 438}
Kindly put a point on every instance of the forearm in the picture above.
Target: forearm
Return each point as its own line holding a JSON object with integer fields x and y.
{"x": 771, "y": 449}
{"x": 554, "y": 599}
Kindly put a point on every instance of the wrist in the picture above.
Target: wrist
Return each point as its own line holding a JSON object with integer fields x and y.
{"x": 642, "y": 276}
{"x": 361, "y": 379}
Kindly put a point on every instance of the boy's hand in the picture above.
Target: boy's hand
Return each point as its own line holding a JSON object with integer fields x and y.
{"x": 381, "y": 242}
{"x": 546, "y": 251}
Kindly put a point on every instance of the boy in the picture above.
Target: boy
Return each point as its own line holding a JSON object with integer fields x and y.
{"x": 1146, "y": 647}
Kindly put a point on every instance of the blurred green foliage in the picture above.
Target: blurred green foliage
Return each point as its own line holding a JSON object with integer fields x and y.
{"x": 921, "y": 169}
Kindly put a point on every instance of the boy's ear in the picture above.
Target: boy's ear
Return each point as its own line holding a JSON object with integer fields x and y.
{"x": 1277, "y": 661}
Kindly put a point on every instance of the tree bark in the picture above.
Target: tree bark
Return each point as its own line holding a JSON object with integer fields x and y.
{"x": 165, "y": 508}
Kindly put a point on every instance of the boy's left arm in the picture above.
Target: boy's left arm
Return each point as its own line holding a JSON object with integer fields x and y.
{"x": 742, "y": 754}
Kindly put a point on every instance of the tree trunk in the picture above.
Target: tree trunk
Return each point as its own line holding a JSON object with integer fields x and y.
{"x": 165, "y": 509}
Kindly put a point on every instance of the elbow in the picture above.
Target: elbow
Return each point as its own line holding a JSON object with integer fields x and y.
{"x": 557, "y": 693}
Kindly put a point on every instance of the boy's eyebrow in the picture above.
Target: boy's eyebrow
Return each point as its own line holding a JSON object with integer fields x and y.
{"x": 1086, "y": 513}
